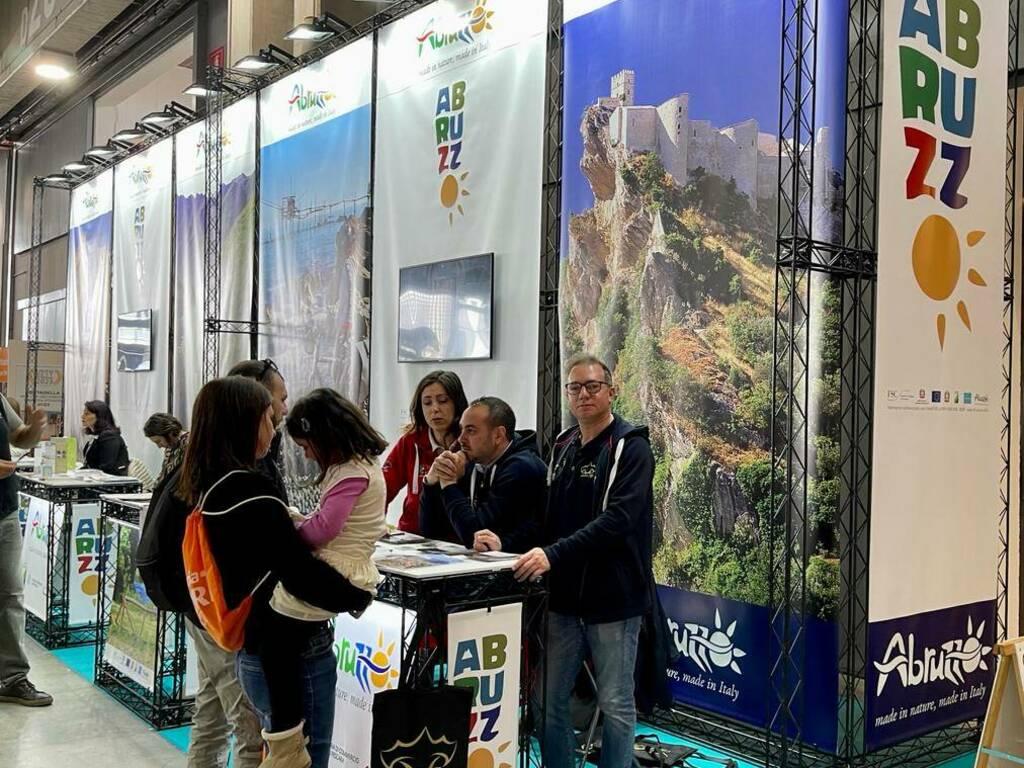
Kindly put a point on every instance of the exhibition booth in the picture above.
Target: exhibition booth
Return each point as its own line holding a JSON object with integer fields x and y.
{"x": 800, "y": 266}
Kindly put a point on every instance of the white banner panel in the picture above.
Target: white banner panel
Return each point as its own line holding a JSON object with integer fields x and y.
{"x": 483, "y": 655}
{"x": 369, "y": 653}
{"x": 142, "y": 277}
{"x": 459, "y": 149}
{"x": 238, "y": 148}
{"x": 84, "y": 565}
{"x": 937, "y": 424}
{"x": 88, "y": 297}
{"x": 33, "y": 555}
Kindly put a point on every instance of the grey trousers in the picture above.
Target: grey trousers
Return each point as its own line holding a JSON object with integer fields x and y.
{"x": 13, "y": 662}
{"x": 221, "y": 710}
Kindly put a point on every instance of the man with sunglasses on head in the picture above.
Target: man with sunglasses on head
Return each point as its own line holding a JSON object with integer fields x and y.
{"x": 266, "y": 373}
{"x": 599, "y": 525}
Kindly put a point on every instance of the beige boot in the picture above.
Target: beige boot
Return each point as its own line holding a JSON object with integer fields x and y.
{"x": 287, "y": 749}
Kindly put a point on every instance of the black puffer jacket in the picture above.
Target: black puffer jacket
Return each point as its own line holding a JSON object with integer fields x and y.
{"x": 108, "y": 452}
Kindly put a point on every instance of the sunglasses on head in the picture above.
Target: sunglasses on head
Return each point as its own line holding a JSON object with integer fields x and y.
{"x": 268, "y": 366}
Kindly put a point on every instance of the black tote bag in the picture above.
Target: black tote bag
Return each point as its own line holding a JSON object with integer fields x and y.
{"x": 421, "y": 728}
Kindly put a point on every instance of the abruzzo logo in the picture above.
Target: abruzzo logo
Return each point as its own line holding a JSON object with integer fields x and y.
{"x": 933, "y": 92}
{"x": 90, "y": 201}
{"x": 707, "y": 647}
{"x": 449, "y": 131}
{"x": 141, "y": 175}
{"x": 952, "y": 661}
{"x": 303, "y": 99}
{"x": 370, "y": 665}
{"x": 460, "y": 29}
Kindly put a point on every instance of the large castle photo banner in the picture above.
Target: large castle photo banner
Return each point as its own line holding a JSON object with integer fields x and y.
{"x": 459, "y": 149}
{"x": 670, "y": 194}
{"x": 935, "y": 495}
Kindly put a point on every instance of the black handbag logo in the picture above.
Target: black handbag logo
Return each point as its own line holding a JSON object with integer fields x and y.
{"x": 423, "y": 752}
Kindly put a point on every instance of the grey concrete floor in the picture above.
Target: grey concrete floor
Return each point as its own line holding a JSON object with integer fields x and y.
{"x": 84, "y": 727}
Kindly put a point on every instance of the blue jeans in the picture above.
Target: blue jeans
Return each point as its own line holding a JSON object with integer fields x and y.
{"x": 319, "y": 673}
{"x": 612, "y": 649}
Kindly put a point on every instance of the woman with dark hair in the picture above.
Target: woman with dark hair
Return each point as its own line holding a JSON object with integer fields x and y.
{"x": 107, "y": 452}
{"x": 434, "y": 414}
{"x": 343, "y": 532}
{"x": 256, "y": 546}
{"x": 167, "y": 433}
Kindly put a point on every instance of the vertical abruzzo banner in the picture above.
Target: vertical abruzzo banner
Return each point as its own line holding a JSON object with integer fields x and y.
{"x": 34, "y": 556}
{"x": 459, "y": 150}
{"x": 937, "y": 422}
{"x": 484, "y": 649}
{"x": 314, "y": 197}
{"x": 140, "y": 319}
{"x": 238, "y": 189}
{"x": 88, "y": 302}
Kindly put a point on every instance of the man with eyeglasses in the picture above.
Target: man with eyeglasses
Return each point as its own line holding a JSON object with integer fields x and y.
{"x": 599, "y": 525}
{"x": 266, "y": 373}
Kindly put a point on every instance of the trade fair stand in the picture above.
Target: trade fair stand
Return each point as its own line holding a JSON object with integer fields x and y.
{"x": 462, "y": 619}
{"x": 62, "y": 554}
{"x": 141, "y": 653}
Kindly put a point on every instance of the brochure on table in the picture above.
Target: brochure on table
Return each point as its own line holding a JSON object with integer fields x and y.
{"x": 418, "y": 558}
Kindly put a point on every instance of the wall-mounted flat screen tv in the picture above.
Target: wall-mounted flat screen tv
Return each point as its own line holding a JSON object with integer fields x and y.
{"x": 135, "y": 341}
{"x": 446, "y": 310}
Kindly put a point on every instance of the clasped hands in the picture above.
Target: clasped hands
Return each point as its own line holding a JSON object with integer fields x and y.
{"x": 447, "y": 469}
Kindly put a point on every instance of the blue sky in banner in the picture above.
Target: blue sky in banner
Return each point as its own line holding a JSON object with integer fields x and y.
{"x": 321, "y": 167}
{"x": 91, "y": 239}
{"x": 724, "y": 54}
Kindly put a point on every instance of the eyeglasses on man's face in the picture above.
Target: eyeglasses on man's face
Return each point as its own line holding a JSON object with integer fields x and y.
{"x": 593, "y": 387}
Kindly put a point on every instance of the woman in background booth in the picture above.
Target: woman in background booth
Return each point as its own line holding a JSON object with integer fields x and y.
{"x": 434, "y": 414}
{"x": 167, "y": 433}
{"x": 107, "y": 452}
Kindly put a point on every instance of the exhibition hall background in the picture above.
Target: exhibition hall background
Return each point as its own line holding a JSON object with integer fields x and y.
{"x": 338, "y": 175}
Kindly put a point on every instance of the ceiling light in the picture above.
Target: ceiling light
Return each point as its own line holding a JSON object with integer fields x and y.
{"x": 265, "y": 60}
{"x": 171, "y": 113}
{"x": 201, "y": 91}
{"x": 53, "y": 72}
{"x": 318, "y": 29}
{"x": 76, "y": 166}
{"x": 128, "y": 134}
{"x": 56, "y": 178}
{"x": 101, "y": 152}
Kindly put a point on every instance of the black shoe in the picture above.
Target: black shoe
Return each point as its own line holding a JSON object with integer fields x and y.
{"x": 24, "y": 693}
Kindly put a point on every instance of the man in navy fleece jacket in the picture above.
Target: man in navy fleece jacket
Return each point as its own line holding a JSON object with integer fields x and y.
{"x": 599, "y": 525}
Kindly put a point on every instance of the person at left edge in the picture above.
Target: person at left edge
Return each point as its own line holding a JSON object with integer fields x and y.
{"x": 107, "y": 452}
{"x": 14, "y": 683}
{"x": 496, "y": 482}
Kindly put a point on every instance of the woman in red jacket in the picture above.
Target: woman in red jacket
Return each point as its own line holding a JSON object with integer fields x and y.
{"x": 434, "y": 412}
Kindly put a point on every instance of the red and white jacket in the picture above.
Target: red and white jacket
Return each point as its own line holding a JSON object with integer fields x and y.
{"x": 405, "y": 467}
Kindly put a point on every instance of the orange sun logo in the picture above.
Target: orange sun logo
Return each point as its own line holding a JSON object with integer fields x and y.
{"x": 382, "y": 674}
{"x": 482, "y": 757}
{"x": 480, "y": 17}
{"x": 452, "y": 190}
{"x": 936, "y": 259}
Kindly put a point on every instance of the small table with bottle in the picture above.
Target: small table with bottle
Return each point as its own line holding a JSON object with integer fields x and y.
{"x": 63, "y": 550}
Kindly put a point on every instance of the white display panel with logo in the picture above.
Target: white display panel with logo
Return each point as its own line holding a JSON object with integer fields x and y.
{"x": 938, "y": 370}
{"x": 459, "y": 148}
{"x": 369, "y": 653}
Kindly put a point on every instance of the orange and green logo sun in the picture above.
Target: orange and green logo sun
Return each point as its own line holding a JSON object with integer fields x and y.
{"x": 482, "y": 757}
{"x": 937, "y": 268}
{"x": 453, "y": 189}
{"x": 374, "y": 668}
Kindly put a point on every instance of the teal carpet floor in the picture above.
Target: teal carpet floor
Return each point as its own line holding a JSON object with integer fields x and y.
{"x": 82, "y": 661}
